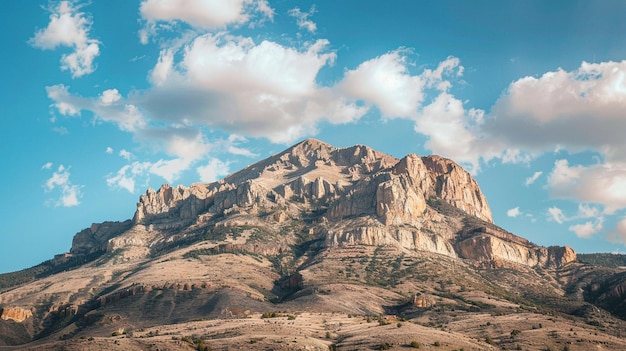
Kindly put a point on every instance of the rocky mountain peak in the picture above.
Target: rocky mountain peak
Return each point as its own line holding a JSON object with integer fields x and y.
{"x": 361, "y": 195}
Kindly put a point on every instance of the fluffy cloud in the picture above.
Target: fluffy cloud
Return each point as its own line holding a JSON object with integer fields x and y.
{"x": 109, "y": 107}
{"x": 600, "y": 183}
{"x": 125, "y": 177}
{"x": 556, "y": 214}
{"x": 386, "y": 82}
{"x": 213, "y": 170}
{"x": 302, "y": 18}
{"x": 264, "y": 89}
{"x": 532, "y": 179}
{"x": 578, "y": 109}
{"x": 586, "y": 229}
{"x": 69, "y": 27}
{"x": 513, "y": 212}
{"x": 126, "y": 155}
{"x": 585, "y": 211}
{"x": 60, "y": 181}
{"x": 204, "y": 14}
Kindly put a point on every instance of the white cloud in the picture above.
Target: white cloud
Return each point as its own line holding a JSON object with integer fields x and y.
{"x": 47, "y": 165}
{"x": 578, "y": 109}
{"x": 264, "y": 89}
{"x": 108, "y": 107}
{"x": 109, "y": 150}
{"x": 586, "y": 229}
{"x": 60, "y": 180}
{"x": 619, "y": 233}
{"x": 513, "y": 212}
{"x": 600, "y": 183}
{"x": 126, "y": 155}
{"x": 302, "y": 18}
{"x": 556, "y": 214}
{"x": 532, "y": 179}
{"x": 212, "y": 171}
{"x": 69, "y": 27}
{"x": 386, "y": 82}
{"x": 170, "y": 169}
{"x": 110, "y": 97}
{"x": 203, "y": 14}
{"x": 125, "y": 178}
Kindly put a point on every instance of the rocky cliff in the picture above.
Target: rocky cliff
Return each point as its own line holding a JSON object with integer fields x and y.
{"x": 16, "y": 314}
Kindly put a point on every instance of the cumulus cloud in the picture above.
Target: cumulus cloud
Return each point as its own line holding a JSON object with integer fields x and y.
{"x": 126, "y": 155}
{"x": 599, "y": 183}
{"x": 109, "y": 107}
{"x": 556, "y": 214}
{"x": 109, "y": 150}
{"x": 60, "y": 182}
{"x": 263, "y": 89}
{"x": 213, "y": 170}
{"x": 585, "y": 211}
{"x": 587, "y": 229}
{"x": 532, "y": 179}
{"x": 385, "y": 81}
{"x": 513, "y": 212}
{"x": 70, "y": 28}
{"x": 578, "y": 109}
{"x": 302, "y": 18}
{"x": 203, "y": 14}
{"x": 125, "y": 177}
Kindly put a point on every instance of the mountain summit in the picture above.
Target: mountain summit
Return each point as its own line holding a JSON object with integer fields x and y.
{"x": 314, "y": 228}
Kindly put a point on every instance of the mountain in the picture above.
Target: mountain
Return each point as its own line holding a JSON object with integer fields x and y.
{"x": 315, "y": 248}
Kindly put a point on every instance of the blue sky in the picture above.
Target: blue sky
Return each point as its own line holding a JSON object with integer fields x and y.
{"x": 103, "y": 99}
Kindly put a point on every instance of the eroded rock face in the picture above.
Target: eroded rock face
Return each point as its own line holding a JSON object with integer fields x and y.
{"x": 384, "y": 235}
{"x": 495, "y": 249}
{"x": 16, "y": 314}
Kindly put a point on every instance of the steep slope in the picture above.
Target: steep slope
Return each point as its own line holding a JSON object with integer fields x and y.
{"x": 313, "y": 228}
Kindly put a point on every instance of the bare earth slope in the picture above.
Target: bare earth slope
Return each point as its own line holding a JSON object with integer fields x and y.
{"x": 314, "y": 248}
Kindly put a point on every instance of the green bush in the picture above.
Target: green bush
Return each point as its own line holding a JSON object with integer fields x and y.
{"x": 414, "y": 344}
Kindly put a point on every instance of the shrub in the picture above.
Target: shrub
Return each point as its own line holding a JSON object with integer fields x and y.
{"x": 489, "y": 340}
{"x": 399, "y": 325}
{"x": 414, "y": 344}
{"x": 515, "y": 332}
{"x": 437, "y": 344}
{"x": 384, "y": 346}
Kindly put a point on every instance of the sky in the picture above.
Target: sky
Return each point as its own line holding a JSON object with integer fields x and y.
{"x": 101, "y": 100}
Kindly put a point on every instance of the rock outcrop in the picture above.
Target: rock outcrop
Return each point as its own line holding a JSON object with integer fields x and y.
{"x": 16, "y": 314}
{"x": 497, "y": 247}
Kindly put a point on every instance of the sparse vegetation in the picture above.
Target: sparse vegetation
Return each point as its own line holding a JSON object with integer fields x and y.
{"x": 414, "y": 344}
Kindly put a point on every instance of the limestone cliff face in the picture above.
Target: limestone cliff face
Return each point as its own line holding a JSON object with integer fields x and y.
{"x": 494, "y": 247}
{"x": 399, "y": 195}
{"x": 16, "y": 314}
{"x": 95, "y": 238}
{"x": 384, "y": 235}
